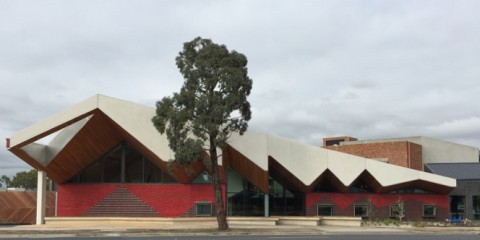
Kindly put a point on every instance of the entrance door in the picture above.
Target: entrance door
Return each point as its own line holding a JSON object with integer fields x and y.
{"x": 457, "y": 207}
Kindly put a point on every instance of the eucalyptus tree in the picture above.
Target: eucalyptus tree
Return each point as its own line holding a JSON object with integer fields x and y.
{"x": 211, "y": 105}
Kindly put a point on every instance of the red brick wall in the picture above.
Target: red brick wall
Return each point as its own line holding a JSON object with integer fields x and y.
{"x": 416, "y": 161}
{"x": 169, "y": 200}
{"x": 74, "y": 200}
{"x": 175, "y": 200}
{"x": 343, "y": 204}
{"x": 401, "y": 153}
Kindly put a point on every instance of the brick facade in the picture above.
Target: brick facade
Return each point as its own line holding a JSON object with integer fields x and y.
{"x": 401, "y": 153}
{"x": 178, "y": 200}
{"x": 344, "y": 204}
{"x": 163, "y": 200}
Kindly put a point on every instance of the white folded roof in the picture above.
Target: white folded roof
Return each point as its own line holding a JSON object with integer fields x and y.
{"x": 305, "y": 161}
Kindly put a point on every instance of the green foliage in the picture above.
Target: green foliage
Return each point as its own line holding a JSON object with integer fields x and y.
{"x": 211, "y": 105}
{"x": 390, "y": 221}
{"x": 5, "y": 181}
{"x": 24, "y": 179}
{"x": 370, "y": 209}
{"x": 212, "y": 102}
{"x": 400, "y": 212}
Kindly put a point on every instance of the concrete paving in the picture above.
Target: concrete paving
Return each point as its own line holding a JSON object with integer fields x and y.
{"x": 192, "y": 229}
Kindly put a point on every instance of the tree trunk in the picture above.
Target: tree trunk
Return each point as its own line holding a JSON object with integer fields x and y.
{"x": 217, "y": 189}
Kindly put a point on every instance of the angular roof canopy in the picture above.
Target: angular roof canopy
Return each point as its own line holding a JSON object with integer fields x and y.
{"x": 89, "y": 129}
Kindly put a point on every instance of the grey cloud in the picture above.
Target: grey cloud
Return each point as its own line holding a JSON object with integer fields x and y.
{"x": 320, "y": 68}
{"x": 467, "y": 127}
{"x": 363, "y": 84}
{"x": 10, "y": 164}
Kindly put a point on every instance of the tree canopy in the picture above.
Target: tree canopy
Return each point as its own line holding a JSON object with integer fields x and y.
{"x": 23, "y": 179}
{"x": 5, "y": 181}
{"x": 211, "y": 105}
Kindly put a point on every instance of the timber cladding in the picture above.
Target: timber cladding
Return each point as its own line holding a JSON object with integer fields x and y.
{"x": 81, "y": 151}
{"x": 245, "y": 167}
{"x": 21, "y": 207}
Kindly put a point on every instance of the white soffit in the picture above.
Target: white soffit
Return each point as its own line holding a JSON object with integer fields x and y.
{"x": 345, "y": 167}
{"x": 53, "y": 121}
{"x": 136, "y": 119}
{"x": 446, "y": 181}
{"x": 45, "y": 153}
{"x": 253, "y": 146}
{"x": 304, "y": 161}
{"x": 388, "y": 174}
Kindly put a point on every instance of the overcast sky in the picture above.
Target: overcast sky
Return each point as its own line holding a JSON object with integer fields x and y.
{"x": 368, "y": 69}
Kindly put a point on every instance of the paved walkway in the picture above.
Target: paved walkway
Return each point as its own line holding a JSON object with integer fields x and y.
{"x": 128, "y": 230}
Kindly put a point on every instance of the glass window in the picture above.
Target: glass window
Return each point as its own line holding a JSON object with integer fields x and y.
{"x": 203, "y": 209}
{"x": 284, "y": 198}
{"x": 112, "y": 169}
{"x": 92, "y": 174}
{"x": 108, "y": 169}
{"x": 243, "y": 198}
{"x": 203, "y": 177}
{"x": 429, "y": 210}
{"x": 360, "y": 186}
{"x": 324, "y": 210}
{"x": 457, "y": 206}
{"x": 166, "y": 178}
{"x": 325, "y": 186}
{"x": 134, "y": 164}
{"x": 476, "y": 207}
{"x": 411, "y": 190}
{"x": 152, "y": 173}
{"x": 396, "y": 210}
{"x": 112, "y": 166}
{"x": 361, "y": 210}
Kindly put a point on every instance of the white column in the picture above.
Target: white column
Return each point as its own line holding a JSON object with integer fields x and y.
{"x": 41, "y": 196}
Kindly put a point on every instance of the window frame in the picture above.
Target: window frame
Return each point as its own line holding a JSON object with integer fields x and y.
{"x": 434, "y": 210}
{"x": 391, "y": 214}
{"x": 197, "y": 204}
{"x": 361, "y": 205}
{"x": 200, "y": 178}
{"x": 325, "y": 205}
{"x": 146, "y": 172}
{"x": 476, "y": 209}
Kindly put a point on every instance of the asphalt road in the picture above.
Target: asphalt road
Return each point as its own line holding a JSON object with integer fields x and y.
{"x": 276, "y": 237}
